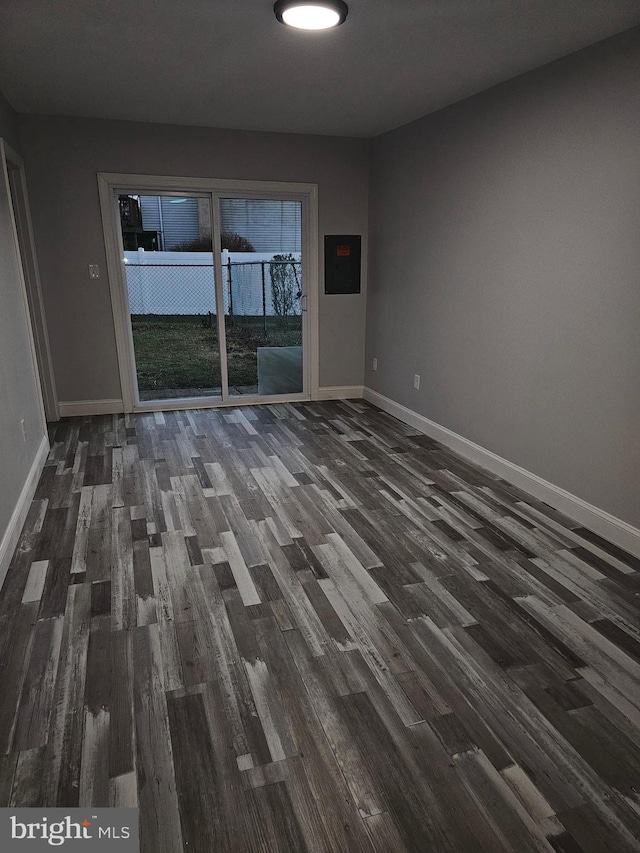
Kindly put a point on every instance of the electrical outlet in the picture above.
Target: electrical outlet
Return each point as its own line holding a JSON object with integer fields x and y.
{"x": 94, "y": 271}
{"x": 24, "y": 430}
{"x": 375, "y": 363}
{"x": 416, "y": 381}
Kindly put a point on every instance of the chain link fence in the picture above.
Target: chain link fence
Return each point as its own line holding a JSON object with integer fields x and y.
{"x": 261, "y": 298}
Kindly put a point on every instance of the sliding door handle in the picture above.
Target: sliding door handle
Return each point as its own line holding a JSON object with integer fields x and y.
{"x": 303, "y": 302}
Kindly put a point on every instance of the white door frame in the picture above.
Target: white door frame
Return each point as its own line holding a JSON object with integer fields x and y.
{"x": 111, "y": 184}
{"x": 13, "y": 168}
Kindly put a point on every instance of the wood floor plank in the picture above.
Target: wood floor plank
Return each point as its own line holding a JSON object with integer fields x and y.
{"x": 367, "y": 797}
{"x": 94, "y": 770}
{"x": 8, "y": 765}
{"x": 277, "y": 821}
{"x": 198, "y": 779}
{"x": 384, "y": 833}
{"x": 36, "y": 581}
{"x": 27, "y": 780}
{"x": 337, "y": 811}
{"x": 123, "y": 599}
{"x": 121, "y": 723}
{"x": 248, "y": 736}
{"x": 411, "y": 805}
{"x": 66, "y": 727}
{"x": 497, "y": 802}
{"x": 309, "y": 627}
{"x": 32, "y": 723}
{"x": 159, "y": 816}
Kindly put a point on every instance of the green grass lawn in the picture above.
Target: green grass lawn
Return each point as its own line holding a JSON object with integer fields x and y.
{"x": 179, "y": 352}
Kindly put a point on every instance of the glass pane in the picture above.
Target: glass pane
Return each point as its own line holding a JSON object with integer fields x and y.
{"x": 263, "y": 287}
{"x": 172, "y": 299}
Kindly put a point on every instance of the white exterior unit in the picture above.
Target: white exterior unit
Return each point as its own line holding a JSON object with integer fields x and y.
{"x": 269, "y": 225}
{"x": 175, "y": 219}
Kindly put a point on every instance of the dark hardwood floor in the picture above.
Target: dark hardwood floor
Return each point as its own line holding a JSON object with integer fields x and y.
{"x": 310, "y": 628}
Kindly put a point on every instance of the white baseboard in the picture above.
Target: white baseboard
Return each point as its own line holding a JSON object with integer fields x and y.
{"x": 603, "y": 523}
{"x": 19, "y": 514}
{"x": 340, "y": 392}
{"x": 73, "y": 408}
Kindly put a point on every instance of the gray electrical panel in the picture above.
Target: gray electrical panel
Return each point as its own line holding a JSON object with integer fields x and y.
{"x": 342, "y": 263}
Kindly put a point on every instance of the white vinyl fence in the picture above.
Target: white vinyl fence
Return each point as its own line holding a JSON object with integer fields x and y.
{"x": 183, "y": 282}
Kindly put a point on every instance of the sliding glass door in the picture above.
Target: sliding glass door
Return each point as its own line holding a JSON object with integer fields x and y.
{"x": 214, "y": 295}
{"x": 263, "y": 285}
{"x": 170, "y": 281}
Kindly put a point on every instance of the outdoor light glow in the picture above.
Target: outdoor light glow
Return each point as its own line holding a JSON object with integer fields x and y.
{"x": 321, "y": 15}
{"x": 311, "y": 17}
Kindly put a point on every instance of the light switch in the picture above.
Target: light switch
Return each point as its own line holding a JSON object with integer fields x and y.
{"x": 94, "y": 271}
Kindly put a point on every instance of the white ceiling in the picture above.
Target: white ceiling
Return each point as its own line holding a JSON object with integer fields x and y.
{"x": 231, "y": 64}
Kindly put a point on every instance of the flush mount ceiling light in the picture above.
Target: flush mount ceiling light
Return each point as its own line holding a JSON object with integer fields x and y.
{"x": 311, "y": 14}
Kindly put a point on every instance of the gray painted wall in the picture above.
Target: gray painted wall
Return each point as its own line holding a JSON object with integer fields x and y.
{"x": 8, "y": 123}
{"x": 505, "y": 270}
{"x": 19, "y": 390}
{"x": 62, "y": 157}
